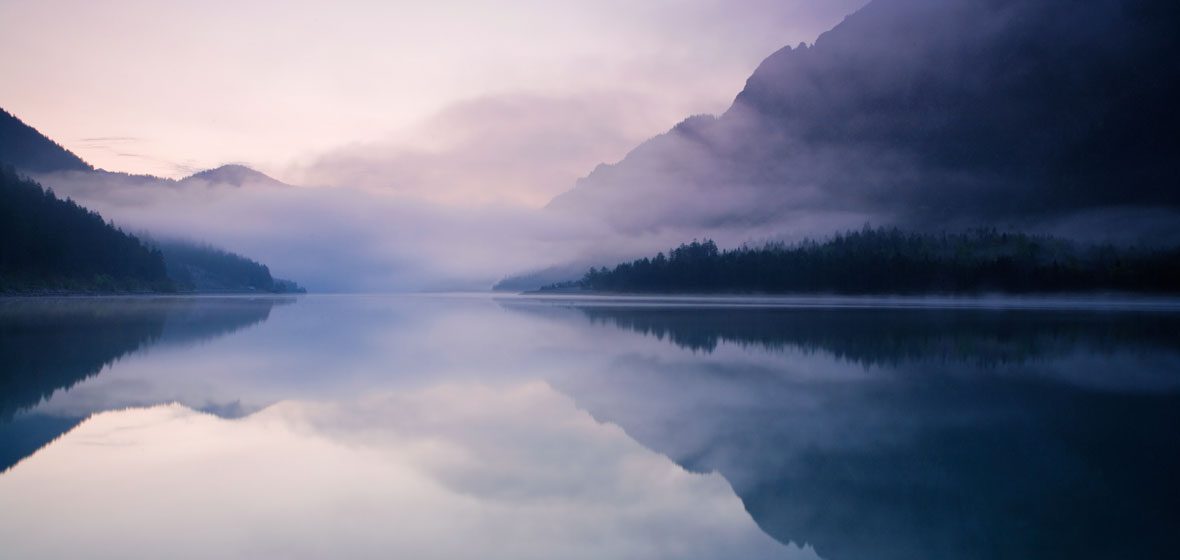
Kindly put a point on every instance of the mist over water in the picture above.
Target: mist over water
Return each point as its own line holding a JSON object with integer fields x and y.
{"x": 467, "y": 426}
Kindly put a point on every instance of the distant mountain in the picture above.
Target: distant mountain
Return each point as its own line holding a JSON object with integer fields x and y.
{"x": 49, "y": 244}
{"x": 930, "y": 112}
{"x": 235, "y": 175}
{"x": 28, "y": 150}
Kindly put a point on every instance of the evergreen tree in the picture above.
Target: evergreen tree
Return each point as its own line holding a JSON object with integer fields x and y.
{"x": 892, "y": 261}
{"x": 47, "y": 243}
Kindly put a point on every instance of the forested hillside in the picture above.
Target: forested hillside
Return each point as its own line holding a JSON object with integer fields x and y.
{"x": 50, "y": 244}
{"x": 195, "y": 267}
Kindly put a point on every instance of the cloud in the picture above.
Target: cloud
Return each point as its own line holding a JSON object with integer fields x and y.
{"x": 520, "y": 148}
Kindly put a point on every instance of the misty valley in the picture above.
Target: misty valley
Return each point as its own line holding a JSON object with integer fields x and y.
{"x": 591, "y": 279}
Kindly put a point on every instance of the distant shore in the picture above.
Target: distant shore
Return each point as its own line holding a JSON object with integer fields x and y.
{"x": 981, "y": 301}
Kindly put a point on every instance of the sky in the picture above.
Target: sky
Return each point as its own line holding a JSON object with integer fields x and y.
{"x": 451, "y": 101}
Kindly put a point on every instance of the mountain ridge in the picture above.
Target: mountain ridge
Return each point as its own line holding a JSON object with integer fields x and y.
{"x": 915, "y": 112}
{"x": 27, "y": 149}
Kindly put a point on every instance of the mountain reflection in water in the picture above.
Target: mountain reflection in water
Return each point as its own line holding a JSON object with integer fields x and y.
{"x": 913, "y": 433}
{"x": 454, "y": 471}
{"x": 49, "y": 345}
{"x": 516, "y": 427}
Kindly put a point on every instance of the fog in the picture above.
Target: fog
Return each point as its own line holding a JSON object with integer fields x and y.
{"x": 354, "y": 239}
{"x": 335, "y": 239}
{"x": 520, "y": 148}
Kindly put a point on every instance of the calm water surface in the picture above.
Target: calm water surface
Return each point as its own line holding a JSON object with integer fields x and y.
{"x": 514, "y": 427}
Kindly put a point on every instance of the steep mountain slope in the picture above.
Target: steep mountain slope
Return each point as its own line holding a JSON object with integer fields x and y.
{"x": 928, "y": 112}
{"x": 28, "y": 150}
{"x": 49, "y": 243}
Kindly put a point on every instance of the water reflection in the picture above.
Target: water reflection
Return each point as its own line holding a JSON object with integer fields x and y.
{"x": 912, "y": 433}
{"x": 474, "y": 427}
{"x": 885, "y": 336}
{"x": 455, "y": 471}
{"x": 50, "y": 345}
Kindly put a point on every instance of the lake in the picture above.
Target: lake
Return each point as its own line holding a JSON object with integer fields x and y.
{"x": 479, "y": 426}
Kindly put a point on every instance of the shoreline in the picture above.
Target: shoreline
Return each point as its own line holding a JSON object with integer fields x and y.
{"x": 1110, "y": 301}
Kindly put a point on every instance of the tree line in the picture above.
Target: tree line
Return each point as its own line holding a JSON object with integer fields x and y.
{"x": 196, "y": 267}
{"x": 893, "y": 261}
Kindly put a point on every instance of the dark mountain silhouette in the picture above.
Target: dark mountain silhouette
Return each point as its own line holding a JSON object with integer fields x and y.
{"x": 931, "y": 112}
{"x": 50, "y": 345}
{"x": 892, "y": 433}
{"x": 30, "y": 151}
{"x": 51, "y": 244}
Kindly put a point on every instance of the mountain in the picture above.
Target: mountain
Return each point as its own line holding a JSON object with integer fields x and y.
{"x": 930, "y": 113}
{"x": 234, "y": 175}
{"x": 47, "y": 243}
{"x": 57, "y": 245}
{"x": 28, "y": 150}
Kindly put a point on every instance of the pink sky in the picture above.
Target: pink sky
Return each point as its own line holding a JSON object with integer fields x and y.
{"x": 409, "y": 89}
